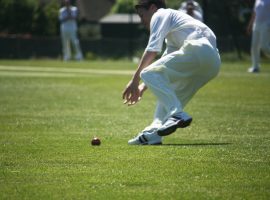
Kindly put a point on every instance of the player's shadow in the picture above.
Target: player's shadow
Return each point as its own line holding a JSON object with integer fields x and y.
{"x": 199, "y": 144}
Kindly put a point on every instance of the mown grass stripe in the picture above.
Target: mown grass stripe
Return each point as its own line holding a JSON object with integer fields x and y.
{"x": 65, "y": 70}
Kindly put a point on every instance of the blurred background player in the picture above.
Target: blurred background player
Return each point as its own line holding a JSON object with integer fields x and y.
{"x": 196, "y": 5}
{"x": 190, "y": 9}
{"x": 259, "y": 25}
{"x": 68, "y": 19}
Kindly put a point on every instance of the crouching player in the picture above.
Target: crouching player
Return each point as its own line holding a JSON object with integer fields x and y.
{"x": 191, "y": 59}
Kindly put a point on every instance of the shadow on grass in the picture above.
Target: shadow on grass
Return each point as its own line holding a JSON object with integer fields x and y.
{"x": 198, "y": 144}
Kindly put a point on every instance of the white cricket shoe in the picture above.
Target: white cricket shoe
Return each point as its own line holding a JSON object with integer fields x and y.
{"x": 253, "y": 70}
{"x": 146, "y": 138}
{"x": 178, "y": 120}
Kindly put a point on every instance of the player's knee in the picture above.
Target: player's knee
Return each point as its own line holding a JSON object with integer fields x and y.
{"x": 145, "y": 74}
{"x": 152, "y": 72}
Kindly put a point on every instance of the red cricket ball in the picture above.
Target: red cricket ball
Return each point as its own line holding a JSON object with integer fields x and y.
{"x": 95, "y": 141}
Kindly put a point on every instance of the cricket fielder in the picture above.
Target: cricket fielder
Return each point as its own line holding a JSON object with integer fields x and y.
{"x": 195, "y": 4}
{"x": 260, "y": 26}
{"x": 190, "y": 60}
{"x": 190, "y": 9}
{"x": 68, "y": 16}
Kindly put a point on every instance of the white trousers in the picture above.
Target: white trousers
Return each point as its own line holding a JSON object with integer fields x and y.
{"x": 260, "y": 41}
{"x": 69, "y": 36}
{"x": 176, "y": 77}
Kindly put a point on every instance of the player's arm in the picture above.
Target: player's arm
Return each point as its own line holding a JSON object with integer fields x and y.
{"x": 159, "y": 27}
{"x": 133, "y": 91}
{"x": 250, "y": 24}
{"x": 68, "y": 15}
{"x": 64, "y": 17}
{"x": 147, "y": 58}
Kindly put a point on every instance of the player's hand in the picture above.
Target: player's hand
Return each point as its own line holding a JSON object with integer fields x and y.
{"x": 132, "y": 94}
{"x": 249, "y": 29}
{"x": 142, "y": 88}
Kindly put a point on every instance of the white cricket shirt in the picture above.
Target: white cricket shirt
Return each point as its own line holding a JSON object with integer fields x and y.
{"x": 262, "y": 10}
{"x": 196, "y": 15}
{"x": 70, "y": 24}
{"x": 176, "y": 27}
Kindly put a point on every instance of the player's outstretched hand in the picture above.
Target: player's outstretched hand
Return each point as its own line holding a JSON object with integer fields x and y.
{"x": 133, "y": 93}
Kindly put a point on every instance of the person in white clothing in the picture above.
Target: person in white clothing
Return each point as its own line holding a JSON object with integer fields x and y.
{"x": 190, "y": 60}
{"x": 196, "y": 5}
{"x": 259, "y": 25}
{"x": 190, "y": 9}
{"x": 68, "y": 28}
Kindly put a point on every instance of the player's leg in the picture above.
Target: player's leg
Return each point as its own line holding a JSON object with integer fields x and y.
{"x": 255, "y": 50}
{"x": 265, "y": 39}
{"x": 156, "y": 79}
{"x": 76, "y": 44}
{"x": 161, "y": 80}
{"x": 208, "y": 69}
{"x": 195, "y": 65}
{"x": 65, "y": 45}
{"x": 149, "y": 134}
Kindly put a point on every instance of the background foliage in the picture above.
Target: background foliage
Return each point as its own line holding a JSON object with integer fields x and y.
{"x": 126, "y": 6}
{"x": 29, "y": 16}
{"x": 226, "y": 18}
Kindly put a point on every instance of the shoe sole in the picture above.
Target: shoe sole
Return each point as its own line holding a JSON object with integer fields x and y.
{"x": 171, "y": 129}
{"x": 158, "y": 143}
{"x": 143, "y": 141}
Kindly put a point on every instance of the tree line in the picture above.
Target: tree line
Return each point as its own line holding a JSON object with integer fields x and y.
{"x": 28, "y": 17}
{"x": 36, "y": 18}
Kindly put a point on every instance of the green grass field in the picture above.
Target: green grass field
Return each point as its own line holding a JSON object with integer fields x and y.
{"x": 50, "y": 110}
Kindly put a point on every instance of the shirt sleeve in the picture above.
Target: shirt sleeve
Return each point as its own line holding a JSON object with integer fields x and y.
{"x": 159, "y": 28}
{"x": 75, "y": 12}
{"x": 255, "y": 5}
{"x": 60, "y": 17}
